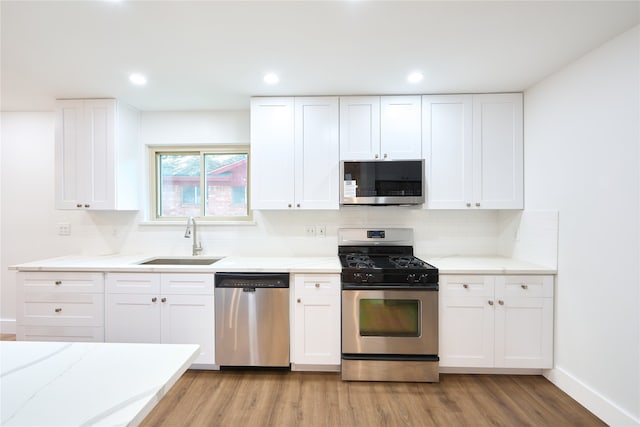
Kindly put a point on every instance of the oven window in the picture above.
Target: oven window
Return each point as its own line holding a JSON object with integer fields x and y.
{"x": 389, "y": 318}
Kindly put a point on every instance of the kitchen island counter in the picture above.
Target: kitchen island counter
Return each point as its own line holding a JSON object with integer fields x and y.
{"x": 74, "y": 384}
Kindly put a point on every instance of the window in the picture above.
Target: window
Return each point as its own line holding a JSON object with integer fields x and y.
{"x": 210, "y": 183}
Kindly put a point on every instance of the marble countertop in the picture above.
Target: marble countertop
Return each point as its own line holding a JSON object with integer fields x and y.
{"x": 485, "y": 265}
{"x": 80, "y": 384}
{"x": 303, "y": 264}
{"x": 131, "y": 263}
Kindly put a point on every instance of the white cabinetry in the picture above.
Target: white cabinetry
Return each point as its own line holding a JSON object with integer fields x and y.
{"x": 496, "y": 321}
{"x": 60, "y": 306}
{"x": 161, "y": 308}
{"x": 97, "y": 155}
{"x": 294, "y": 153}
{"x": 374, "y": 127}
{"x": 315, "y": 329}
{"x": 473, "y": 146}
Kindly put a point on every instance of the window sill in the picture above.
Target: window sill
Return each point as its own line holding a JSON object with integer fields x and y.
{"x": 200, "y": 223}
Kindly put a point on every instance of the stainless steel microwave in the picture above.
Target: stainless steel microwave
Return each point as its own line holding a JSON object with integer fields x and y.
{"x": 382, "y": 182}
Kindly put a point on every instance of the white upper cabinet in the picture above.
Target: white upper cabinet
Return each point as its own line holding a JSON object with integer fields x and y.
{"x": 498, "y": 151}
{"x": 374, "y": 127}
{"x": 400, "y": 127}
{"x": 473, "y": 146}
{"x": 294, "y": 153}
{"x": 448, "y": 150}
{"x": 97, "y": 155}
{"x": 359, "y": 127}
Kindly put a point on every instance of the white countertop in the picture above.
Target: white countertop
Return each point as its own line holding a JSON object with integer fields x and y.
{"x": 330, "y": 264}
{"x": 485, "y": 265}
{"x": 78, "y": 384}
{"x": 130, "y": 263}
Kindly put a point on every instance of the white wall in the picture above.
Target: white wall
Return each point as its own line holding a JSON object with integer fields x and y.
{"x": 582, "y": 158}
{"x": 29, "y": 220}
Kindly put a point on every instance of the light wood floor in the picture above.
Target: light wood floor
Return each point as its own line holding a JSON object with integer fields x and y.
{"x": 266, "y": 398}
{"x": 274, "y": 398}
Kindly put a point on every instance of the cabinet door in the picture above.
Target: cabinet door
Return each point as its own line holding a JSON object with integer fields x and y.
{"x": 316, "y": 320}
{"x": 466, "y": 331}
{"x": 400, "y": 127}
{"x": 448, "y": 150}
{"x": 189, "y": 319}
{"x": 316, "y": 153}
{"x": 498, "y": 151}
{"x": 359, "y": 127}
{"x": 132, "y": 318}
{"x": 524, "y": 322}
{"x": 272, "y": 153}
{"x": 98, "y": 177}
{"x": 70, "y": 163}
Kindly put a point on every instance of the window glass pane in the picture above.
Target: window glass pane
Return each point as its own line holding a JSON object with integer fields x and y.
{"x": 389, "y": 318}
{"x": 179, "y": 185}
{"x": 226, "y": 186}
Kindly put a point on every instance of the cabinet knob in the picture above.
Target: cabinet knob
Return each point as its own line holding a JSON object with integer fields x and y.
{"x": 58, "y": 282}
{"x": 79, "y": 205}
{"x": 466, "y": 286}
{"x": 490, "y": 302}
{"x": 58, "y": 310}
{"x": 317, "y": 285}
{"x": 154, "y": 299}
{"x": 289, "y": 205}
{"x": 298, "y": 205}
{"x": 385, "y": 155}
{"x": 163, "y": 300}
{"x": 478, "y": 204}
{"x": 376, "y": 156}
{"x": 299, "y": 300}
{"x": 500, "y": 302}
{"x": 524, "y": 286}
{"x": 468, "y": 204}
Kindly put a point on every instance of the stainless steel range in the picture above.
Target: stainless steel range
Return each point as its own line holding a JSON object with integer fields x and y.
{"x": 389, "y": 307}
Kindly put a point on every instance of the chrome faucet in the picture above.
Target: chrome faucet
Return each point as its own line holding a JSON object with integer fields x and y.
{"x": 197, "y": 246}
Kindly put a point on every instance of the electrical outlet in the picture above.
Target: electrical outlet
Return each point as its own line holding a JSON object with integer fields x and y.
{"x": 322, "y": 230}
{"x": 64, "y": 229}
{"x": 310, "y": 230}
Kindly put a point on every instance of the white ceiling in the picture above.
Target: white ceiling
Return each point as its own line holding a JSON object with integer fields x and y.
{"x": 205, "y": 55}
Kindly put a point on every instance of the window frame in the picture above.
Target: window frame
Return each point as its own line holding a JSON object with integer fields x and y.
{"x": 200, "y": 150}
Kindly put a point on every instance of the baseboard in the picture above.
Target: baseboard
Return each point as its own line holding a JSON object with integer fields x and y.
{"x": 599, "y": 405}
{"x": 7, "y": 326}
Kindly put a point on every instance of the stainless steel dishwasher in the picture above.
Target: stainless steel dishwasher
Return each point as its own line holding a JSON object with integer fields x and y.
{"x": 252, "y": 319}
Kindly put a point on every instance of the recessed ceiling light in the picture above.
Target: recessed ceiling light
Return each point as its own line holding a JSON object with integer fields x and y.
{"x": 415, "y": 77}
{"x": 138, "y": 79}
{"x": 271, "y": 78}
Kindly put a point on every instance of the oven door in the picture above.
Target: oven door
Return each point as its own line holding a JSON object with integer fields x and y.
{"x": 390, "y": 322}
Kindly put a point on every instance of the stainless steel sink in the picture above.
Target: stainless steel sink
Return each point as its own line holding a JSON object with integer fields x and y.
{"x": 179, "y": 261}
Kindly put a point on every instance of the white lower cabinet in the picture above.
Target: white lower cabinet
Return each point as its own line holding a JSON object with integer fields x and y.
{"x": 60, "y": 306}
{"x": 170, "y": 308}
{"x": 496, "y": 321}
{"x": 315, "y": 328}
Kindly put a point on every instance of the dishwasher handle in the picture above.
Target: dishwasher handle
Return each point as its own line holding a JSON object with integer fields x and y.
{"x": 252, "y": 281}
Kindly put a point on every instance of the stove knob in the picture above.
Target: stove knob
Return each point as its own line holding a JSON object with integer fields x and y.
{"x": 357, "y": 277}
{"x": 368, "y": 276}
{"x": 423, "y": 278}
{"x": 411, "y": 278}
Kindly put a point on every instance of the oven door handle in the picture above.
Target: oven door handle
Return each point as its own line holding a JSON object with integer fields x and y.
{"x": 431, "y": 287}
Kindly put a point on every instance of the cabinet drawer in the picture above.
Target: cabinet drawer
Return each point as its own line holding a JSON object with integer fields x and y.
{"x": 524, "y": 286}
{"x": 133, "y": 283}
{"x": 187, "y": 284}
{"x": 60, "y": 333}
{"x": 62, "y": 282}
{"x": 317, "y": 284}
{"x": 454, "y": 285}
{"x": 61, "y": 309}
